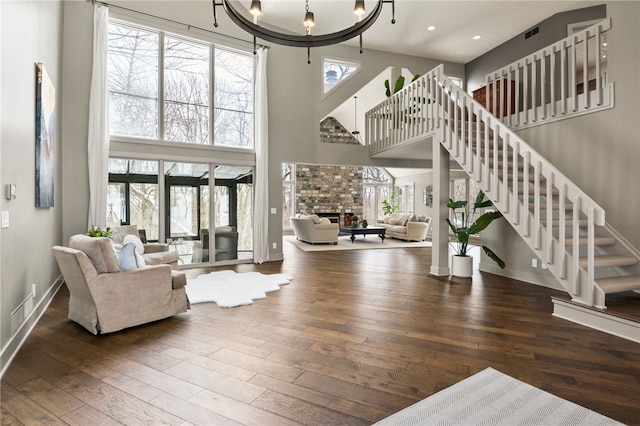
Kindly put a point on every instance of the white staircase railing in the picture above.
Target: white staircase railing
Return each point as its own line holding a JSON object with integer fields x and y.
{"x": 531, "y": 193}
{"x": 550, "y": 84}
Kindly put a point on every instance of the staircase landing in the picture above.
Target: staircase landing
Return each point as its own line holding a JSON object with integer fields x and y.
{"x": 621, "y": 318}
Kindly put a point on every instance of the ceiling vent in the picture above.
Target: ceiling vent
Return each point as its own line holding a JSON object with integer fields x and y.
{"x": 531, "y": 32}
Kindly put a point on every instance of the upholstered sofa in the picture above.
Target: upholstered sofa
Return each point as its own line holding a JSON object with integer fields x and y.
{"x": 314, "y": 229}
{"x": 408, "y": 227}
{"x": 153, "y": 253}
{"x": 105, "y": 298}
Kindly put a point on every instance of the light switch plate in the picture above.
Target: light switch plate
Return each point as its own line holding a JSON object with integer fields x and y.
{"x": 273, "y": 210}
{"x": 10, "y": 191}
{"x": 5, "y": 219}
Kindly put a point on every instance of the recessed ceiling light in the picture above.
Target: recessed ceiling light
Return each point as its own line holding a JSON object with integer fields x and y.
{"x": 476, "y": 37}
{"x": 605, "y": 44}
{"x": 431, "y": 28}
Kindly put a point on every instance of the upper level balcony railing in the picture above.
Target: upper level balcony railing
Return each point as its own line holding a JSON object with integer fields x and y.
{"x": 567, "y": 78}
{"x": 408, "y": 115}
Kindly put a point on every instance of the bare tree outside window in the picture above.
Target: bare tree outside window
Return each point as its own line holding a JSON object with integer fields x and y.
{"x": 133, "y": 59}
{"x": 133, "y": 193}
{"x": 245, "y": 217}
{"x": 186, "y": 91}
{"x": 132, "y": 68}
{"x": 376, "y": 175}
{"x": 336, "y": 71}
{"x": 233, "y": 99}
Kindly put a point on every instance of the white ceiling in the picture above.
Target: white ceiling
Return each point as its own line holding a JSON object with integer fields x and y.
{"x": 456, "y": 23}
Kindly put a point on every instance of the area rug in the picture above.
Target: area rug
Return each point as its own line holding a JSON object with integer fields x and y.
{"x": 229, "y": 288}
{"x": 344, "y": 243}
{"x": 493, "y": 398}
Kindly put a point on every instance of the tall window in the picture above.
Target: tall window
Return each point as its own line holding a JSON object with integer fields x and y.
{"x": 377, "y": 187}
{"x": 405, "y": 198}
{"x": 288, "y": 194}
{"x": 186, "y": 91}
{"x": 132, "y": 70}
{"x": 233, "y": 99}
{"x": 463, "y": 189}
{"x": 188, "y": 110}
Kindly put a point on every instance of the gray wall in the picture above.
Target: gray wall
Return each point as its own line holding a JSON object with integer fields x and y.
{"x": 600, "y": 152}
{"x": 30, "y": 32}
{"x": 419, "y": 182}
{"x": 551, "y": 30}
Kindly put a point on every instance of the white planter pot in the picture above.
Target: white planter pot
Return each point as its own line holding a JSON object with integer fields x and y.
{"x": 462, "y": 266}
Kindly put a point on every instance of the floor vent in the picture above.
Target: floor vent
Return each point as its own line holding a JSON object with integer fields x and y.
{"x": 21, "y": 313}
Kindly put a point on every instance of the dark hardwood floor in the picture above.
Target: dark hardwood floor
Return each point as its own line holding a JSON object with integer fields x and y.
{"x": 356, "y": 336}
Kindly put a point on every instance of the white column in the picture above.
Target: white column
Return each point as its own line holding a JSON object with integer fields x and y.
{"x": 440, "y": 229}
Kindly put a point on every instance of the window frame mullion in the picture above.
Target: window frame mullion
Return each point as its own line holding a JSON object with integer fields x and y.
{"x": 212, "y": 83}
{"x": 161, "y": 124}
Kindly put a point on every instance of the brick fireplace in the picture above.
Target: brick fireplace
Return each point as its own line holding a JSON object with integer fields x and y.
{"x": 329, "y": 191}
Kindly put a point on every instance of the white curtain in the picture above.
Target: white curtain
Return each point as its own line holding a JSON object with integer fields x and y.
{"x": 261, "y": 186}
{"x": 98, "y": 137}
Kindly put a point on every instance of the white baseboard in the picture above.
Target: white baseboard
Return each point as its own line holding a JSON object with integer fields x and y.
{"x": 598, "y": 320}
{"x": 440, "y": 271}
{"x": 536, "y": 279}
{"x": 18, "y": 339}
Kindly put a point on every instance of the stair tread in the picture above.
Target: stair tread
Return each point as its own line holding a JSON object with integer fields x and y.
{"x": 619, "y": 284}
{"x": 610, "y": 260}
{"x": 599, "y": 241}
{"x": 568, "y": 222}
{"x": 554, "y": 206}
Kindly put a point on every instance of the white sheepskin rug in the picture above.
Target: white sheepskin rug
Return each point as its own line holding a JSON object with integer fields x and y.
{"x": 229, "y": 288}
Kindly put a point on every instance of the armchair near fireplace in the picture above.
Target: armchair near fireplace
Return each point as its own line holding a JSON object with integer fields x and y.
{"x": 314, "y": 229}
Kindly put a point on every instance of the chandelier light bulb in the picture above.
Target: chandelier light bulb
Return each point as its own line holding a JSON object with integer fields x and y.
{"x": 309, "y": 22}
{"x": 308, "y": 19}
{"x": 255, "y": 10}
{"x": 359, "y": 9}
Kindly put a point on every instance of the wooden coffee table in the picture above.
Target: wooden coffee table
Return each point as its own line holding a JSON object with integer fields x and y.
{"x": 349, "y": 230}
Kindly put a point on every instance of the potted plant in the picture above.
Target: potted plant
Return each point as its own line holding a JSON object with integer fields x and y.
{"x": 354, "y": 220}
{"x": 390, "y": 206}
{"x": 399, "y": 85}
{"x": 95, "y": 231}
{"x": 406, "y": 115}
{"x": 466, "y": 224}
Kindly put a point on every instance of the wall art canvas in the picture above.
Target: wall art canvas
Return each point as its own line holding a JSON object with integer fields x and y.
{"x": 45, "y": 137}
{"x": 428, "y": 196}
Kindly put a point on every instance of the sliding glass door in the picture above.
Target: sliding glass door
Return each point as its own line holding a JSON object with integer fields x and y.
{"x": 200, "y": 228}
{"x": 233, "y": 212}
{"x": 187, "y": 202}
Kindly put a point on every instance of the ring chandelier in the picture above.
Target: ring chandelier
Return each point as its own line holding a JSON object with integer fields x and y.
{"x": 308, "y": 40}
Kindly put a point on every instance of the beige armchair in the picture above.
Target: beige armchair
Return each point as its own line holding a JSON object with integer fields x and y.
{"x": 104, "y": 299}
